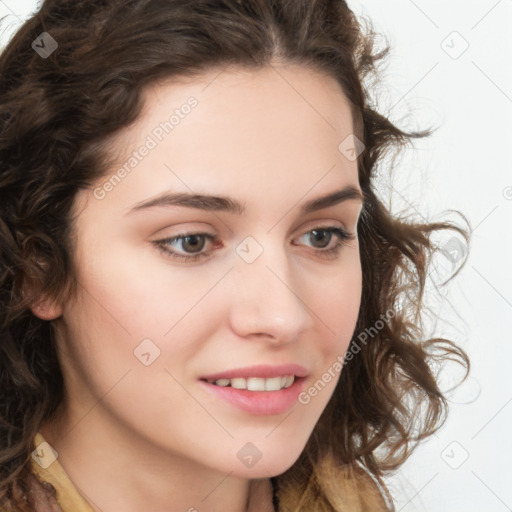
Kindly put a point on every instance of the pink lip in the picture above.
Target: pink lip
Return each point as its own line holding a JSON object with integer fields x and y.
{"x": 262, "y": 371}
{"x": 262, "y": 403}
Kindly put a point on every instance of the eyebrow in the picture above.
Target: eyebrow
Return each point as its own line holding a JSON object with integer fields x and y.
{"x": 229, "y": 205}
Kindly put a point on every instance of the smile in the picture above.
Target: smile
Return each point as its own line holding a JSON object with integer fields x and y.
{"x": 256, "y": 383}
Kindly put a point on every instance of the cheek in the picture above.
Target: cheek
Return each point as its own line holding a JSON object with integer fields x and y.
{"x": 136, "y": 375}
{"x": 140, "y": 316}
{"x": 335, "y": 300}
{"x": 336, "y": 308}
{"x": 144, "y": 294}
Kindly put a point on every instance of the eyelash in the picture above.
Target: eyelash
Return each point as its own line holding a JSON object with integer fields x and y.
{"x": 342, "y": 235}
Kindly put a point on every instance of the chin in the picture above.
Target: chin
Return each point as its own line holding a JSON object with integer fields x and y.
{"x": 267, "y": 465}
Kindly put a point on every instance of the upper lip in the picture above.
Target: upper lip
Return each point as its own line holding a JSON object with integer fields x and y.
{"x": 262, "y": 371}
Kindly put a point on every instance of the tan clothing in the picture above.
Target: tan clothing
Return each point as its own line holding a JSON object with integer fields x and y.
{"x": 69, "y": 498}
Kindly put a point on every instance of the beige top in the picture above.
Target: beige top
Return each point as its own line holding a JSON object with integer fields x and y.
{"x": 46, "y": 466}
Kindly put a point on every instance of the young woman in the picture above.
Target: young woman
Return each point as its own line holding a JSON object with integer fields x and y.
{"x": 204, "y": 304}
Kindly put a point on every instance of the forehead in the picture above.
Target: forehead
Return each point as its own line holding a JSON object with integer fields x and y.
{"x": 274, "y": 128}
{"x": 235, "y": 103}
{"x": 269, "y": 89}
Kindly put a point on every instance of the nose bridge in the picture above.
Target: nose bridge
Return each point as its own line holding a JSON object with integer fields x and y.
{"x": 267, "y": 298}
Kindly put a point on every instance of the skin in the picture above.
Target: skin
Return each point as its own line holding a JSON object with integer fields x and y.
{"x": 134, "y": 437}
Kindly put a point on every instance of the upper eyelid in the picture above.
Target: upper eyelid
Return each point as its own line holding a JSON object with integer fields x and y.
{"x": 211, "y": 236}
{"x": 309, "y": 225}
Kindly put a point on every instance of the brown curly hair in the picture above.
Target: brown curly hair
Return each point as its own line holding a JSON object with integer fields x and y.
{"x": 56, "y": 114}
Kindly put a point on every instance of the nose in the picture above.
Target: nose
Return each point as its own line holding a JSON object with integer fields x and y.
{"x": 268, "y": 300}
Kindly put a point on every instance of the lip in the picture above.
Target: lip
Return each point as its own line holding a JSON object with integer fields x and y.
{"x": 260, "y": 403}
{"x": 262, "y": 371}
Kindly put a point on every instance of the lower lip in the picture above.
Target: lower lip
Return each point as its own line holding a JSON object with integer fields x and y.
{"x": 262, "y": 403}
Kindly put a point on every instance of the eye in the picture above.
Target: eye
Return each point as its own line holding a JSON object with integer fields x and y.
{"x": 191, "y": 245}
{"x": 323, "y": 236}
{"x": 193, "y": 242}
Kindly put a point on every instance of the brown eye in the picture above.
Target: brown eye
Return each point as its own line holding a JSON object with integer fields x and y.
{"x": 187, "y": 246}
{"x": 193, "y": 243}
{"x": 320, "y": 236}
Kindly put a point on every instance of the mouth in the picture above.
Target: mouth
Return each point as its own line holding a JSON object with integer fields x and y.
{"x": 255, "y": 383}
{"x": 256, "y": 395}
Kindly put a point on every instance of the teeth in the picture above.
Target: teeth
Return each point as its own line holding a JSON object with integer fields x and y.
{"x": 238, "y": 383}
{"x": 273, "y": 384}
{"x": 257, "y": 383}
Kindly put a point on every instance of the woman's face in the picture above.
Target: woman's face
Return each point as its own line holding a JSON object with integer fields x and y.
{"x": 263, "y": 278}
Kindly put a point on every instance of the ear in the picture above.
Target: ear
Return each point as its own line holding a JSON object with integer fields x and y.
{"x": 46, "y": 308}
{"x": 42, "y": 306}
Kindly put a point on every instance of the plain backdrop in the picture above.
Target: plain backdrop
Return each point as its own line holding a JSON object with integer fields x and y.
{"x": 450, "y": 67}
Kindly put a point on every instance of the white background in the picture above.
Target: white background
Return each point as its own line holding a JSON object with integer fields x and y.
{"x": 432, "y": 79}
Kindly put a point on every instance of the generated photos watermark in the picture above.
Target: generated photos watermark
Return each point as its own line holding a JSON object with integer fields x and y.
{"x": 152, "y": 140}
{"x": 343, "y": 359}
